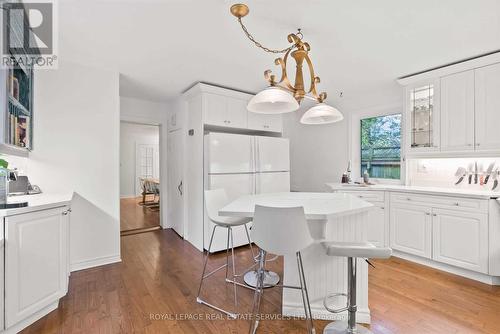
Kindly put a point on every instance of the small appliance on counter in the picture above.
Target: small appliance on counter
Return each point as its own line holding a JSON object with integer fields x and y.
{"x": 20, "y": 185}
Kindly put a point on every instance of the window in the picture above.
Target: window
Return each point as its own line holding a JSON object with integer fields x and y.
{"x": 381, "y": 146}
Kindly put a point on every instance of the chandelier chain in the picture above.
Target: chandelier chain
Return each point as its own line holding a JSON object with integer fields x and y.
{"x": 250, "y": 37}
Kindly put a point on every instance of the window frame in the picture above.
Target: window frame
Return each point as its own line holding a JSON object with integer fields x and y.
{"x": 356, "y": 141}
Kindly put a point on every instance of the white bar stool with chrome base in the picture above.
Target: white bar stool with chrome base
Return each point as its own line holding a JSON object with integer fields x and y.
{"x": 353, "y": 251}
{"x": 214, "y": 200}
{"x": 280, "y": 231}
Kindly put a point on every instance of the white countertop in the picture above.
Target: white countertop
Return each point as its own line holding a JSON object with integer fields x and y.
{"x": 316, "y": 205}
{"x": 457, "y": 192}
{"x": 37, "y": 202}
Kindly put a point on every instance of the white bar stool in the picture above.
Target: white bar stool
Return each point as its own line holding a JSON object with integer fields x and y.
{"x": 214, "y": 200}
{"x": 353, "y": 251}
{"x": 280, "y": 231}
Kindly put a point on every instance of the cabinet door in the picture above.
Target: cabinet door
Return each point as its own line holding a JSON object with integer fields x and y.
{"x": 236, "y": 113}
{"x": 377, "y": 226}
{"x": 35, "y": 262}
{"x": 411, "y": 229}
{"x": 461, "y": 239}
{"x": 487, "y": 99}
{"x": 263, "y": 122}
{"x": 422, "y": 117}
{"x": 215, "y": 109}
{"x": 457, "y": 112}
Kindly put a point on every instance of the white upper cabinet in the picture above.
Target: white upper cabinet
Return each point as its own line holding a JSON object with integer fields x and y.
{"x": 457, "y": 112}
{"x": 487, "y": 93}
{"x": 264, "y": 122}
{"x": 422, "y": 117}
{"x": 225, "y": 111}
{"x": 215, "y": 110}
{"x": 237, "y": 112}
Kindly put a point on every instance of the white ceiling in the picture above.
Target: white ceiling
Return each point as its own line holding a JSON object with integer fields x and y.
{"x": 358, "y": 47}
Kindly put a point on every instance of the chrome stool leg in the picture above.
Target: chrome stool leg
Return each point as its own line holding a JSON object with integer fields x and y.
{"x": 305, "y": 295}
{"x": 233, "y": 315}
{"x": 349, "y": 327}
{"x": 259, "y": 291}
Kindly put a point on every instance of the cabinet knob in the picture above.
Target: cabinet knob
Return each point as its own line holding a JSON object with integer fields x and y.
{"x": 427, "y": 213}
{"x": 408, "y": 198}
{"x": 65, "y": 213}
{"x": 456, "y": 204}
{"x": 478, "y": 144}
{"x": 469, "y": 144}
{"x": 382, "y": 207}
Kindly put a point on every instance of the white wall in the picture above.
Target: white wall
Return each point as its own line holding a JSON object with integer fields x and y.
{"x": 76, "y": 138}
{"x": 321, "y": 153}
{"x": 318, "y": 153}
{"x": 132, "y": 134}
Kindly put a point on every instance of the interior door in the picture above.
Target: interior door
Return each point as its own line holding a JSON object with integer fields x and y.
{"x": 411, "y": 229}
{"x": 175, "y": 181}
{"x": 457, "y": 112}
{"x": 147, "y": 164}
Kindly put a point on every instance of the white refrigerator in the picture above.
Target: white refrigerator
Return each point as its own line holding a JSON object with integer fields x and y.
{"x": 242, "y": 165}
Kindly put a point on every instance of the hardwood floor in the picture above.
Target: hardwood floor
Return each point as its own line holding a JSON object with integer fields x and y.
{"x": 154, "y": 290}
{"x": 134, "y": 216}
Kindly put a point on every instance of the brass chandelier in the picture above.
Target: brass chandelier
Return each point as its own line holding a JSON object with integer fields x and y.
{"x": 281, "y": 96}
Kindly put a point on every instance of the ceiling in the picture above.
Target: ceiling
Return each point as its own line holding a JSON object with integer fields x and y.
{"x": 358, "y": 47}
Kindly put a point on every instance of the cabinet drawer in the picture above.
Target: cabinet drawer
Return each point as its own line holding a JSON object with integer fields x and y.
{"x": 446, "y": 202}
{"x": 370, "y": 196}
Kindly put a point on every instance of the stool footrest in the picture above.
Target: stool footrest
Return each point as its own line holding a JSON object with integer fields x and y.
{"x": 333, "y": 310}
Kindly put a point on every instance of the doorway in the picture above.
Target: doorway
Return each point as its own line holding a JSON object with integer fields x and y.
{"x": 139, "y": 178}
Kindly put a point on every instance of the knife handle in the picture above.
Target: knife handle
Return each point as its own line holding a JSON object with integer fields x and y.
{"x": 487, "y": 178}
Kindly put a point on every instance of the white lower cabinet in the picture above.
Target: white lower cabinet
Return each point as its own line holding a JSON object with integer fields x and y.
{"x": 36, "y": 262}
{"x": 411, "y": 229}
{"x": 377, "y": 225}
{"x": 460, "y": 239}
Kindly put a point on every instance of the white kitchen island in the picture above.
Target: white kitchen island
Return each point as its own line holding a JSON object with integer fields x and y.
{"x": 331, "y": 216}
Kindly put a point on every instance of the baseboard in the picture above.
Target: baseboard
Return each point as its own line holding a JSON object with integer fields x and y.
{"x": 95, "y": 262}
{"x": 31, "y": 319}
{"x": 320, "y": 313}
{"x": 483, "y": 278}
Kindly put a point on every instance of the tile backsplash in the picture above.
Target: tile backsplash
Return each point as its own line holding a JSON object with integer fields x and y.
{"x": 441, "y": 172}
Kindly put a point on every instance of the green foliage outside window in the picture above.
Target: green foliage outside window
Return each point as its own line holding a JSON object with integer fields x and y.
{"x": 381, "y": 146}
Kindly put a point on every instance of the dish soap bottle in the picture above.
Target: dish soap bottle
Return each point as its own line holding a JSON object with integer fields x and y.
{"x": 366, "y": 177}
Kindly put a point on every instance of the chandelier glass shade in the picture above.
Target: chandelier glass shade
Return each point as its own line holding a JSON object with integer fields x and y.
{"x": 282, "y": 96}
{"x": 321, "y": 114}
{"x": 273, "y": 100}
